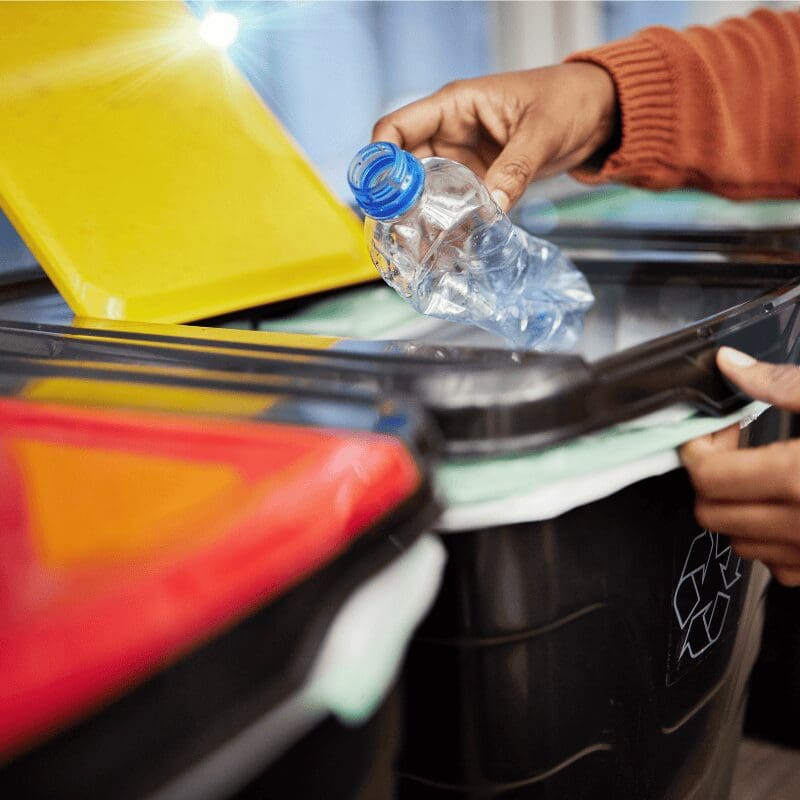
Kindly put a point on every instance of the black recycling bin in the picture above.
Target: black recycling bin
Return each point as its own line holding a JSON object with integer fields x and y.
{"x": 602, "y": 653}
{"x": 596, "y": 651}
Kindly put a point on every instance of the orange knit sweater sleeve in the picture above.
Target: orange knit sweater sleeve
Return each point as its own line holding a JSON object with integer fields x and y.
{"x": 713, "y": 108}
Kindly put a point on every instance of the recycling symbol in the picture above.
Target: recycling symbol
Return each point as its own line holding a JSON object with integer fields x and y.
{"x": 703, "y": 594}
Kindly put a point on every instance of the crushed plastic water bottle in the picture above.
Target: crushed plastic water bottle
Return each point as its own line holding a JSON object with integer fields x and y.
{"x": 440, "y": 240}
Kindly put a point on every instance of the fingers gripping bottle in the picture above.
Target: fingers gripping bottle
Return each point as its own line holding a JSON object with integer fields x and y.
{"x": 439, "y": 239}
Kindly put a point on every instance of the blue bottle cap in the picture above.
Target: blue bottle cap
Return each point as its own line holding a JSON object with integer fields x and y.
{"x": 385, "y": 180}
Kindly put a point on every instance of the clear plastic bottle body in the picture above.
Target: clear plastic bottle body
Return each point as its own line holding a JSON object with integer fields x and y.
{"x": 455, "y": 255}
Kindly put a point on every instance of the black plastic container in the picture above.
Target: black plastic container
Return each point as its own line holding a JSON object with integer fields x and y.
{"x": 604, "y": 653}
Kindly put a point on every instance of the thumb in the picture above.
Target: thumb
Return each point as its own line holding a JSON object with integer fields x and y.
{"x": 777, "y": 384}
{"x": 512, "y": 171}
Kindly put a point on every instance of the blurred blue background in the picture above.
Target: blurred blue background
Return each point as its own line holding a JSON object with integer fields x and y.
{"x": 330, "y": 69}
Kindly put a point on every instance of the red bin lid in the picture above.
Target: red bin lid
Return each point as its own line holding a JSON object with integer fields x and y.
{"x": 126, "y": 538}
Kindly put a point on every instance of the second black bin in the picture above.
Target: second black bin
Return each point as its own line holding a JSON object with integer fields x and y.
{"x": 603, "y": 652}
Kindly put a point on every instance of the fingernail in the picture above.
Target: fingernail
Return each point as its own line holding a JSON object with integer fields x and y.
{"x": 501, "y": 198}
{"x": 736, "y": 357}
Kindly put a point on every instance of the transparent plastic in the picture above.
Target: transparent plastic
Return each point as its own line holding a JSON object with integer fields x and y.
{"x": 448, "y": 249}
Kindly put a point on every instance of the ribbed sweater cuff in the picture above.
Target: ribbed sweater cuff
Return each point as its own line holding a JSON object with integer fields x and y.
{"x": 646, "y": 90}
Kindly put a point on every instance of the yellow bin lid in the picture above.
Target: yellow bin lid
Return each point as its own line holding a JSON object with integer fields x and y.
{"x": 147, "y": 176}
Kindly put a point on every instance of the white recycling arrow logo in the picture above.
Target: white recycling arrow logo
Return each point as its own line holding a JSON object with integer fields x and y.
{"x": 703, "y": 594}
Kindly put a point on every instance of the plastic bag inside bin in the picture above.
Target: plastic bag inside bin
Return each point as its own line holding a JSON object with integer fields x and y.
{"x": 539, "y": 486}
